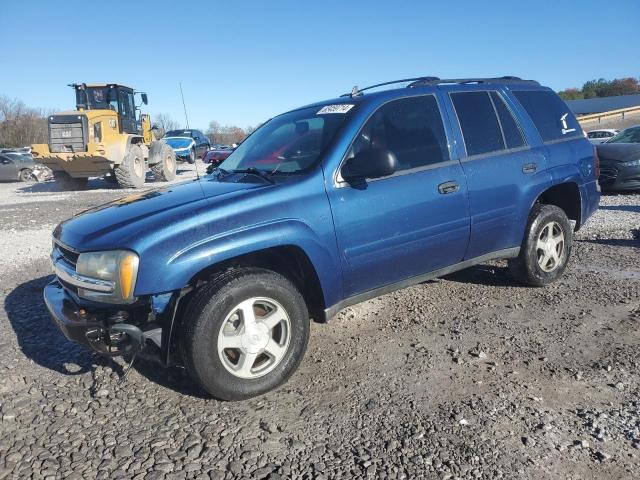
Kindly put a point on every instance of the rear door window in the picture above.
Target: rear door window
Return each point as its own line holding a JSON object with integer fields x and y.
{"x": 478, "y": 122}
{"x": 550, "y": 114}
{"x": 512, "y": 133}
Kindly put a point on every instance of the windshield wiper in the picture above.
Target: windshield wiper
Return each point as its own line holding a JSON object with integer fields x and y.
{"x": 257, "y": 172}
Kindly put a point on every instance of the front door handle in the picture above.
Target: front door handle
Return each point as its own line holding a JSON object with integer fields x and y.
{"x": 529, "y": 168}
{"x": 448, "y": 187}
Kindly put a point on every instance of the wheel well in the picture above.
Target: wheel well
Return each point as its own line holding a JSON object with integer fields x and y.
{"x": 290, "y": 261}
{"x": 567, "y": 197}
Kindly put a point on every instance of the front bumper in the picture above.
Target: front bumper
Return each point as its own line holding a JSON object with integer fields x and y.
{"x": 108, "y": 335}
{"x": 616, "y": 177}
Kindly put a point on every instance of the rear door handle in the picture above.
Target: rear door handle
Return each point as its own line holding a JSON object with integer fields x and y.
{"x": 448, "y": 187}
{"x": 529, "y": 168}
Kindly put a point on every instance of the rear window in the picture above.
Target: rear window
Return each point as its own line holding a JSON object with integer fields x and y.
{"x": 550, "y": 114}
{"x": 478, "y": 122}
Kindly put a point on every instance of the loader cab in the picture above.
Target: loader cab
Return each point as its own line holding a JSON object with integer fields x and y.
{"x": 117, "y": 98}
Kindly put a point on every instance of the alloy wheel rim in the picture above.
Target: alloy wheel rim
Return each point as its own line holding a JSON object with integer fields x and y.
{"x": 254, "y": 337}
{"x": 550, "y": 246}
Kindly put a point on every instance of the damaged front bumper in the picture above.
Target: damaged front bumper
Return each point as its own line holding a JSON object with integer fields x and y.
{"x": 105, "y": 331}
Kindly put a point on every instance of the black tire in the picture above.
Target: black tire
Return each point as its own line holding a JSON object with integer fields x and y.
{"x": 206, "y": 314}
{"x": 164, "y": 162}
{"x": 26, "y": 175}
{"x": 67, "y": 182}
{"x": 192, "y": 156}
{"x": 111, "y": 177}
{"x": 131, "y": 173}
{"x": 527, "y": 268}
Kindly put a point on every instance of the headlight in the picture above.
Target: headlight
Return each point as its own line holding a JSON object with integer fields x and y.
{"x": 632, "y": 163}
{"x": 97, "y": 132}
{"x": 118, "y": 266}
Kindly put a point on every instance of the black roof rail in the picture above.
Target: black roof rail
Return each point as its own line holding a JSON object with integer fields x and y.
{"x": 426, "y": 81}
{"x": 480, "y": 80}
{"x": 357, "y": 92}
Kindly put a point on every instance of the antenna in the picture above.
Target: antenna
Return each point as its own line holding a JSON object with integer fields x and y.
{"x": 184, "y": 105}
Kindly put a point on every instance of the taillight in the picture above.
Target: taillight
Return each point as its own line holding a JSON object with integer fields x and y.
{"x": 596, "y": 163}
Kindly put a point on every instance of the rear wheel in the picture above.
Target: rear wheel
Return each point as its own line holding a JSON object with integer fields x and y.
{"x": 26, "y": 175}
{"x": 67, "y": 182}
{"x": 245, "y": 333}
{"x": 545, "y": 252}
{"x": 164, "y": 168}
{"x": 132, "y": 171}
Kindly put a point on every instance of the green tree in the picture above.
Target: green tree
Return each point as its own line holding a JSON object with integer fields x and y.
{"x": 571, "y": 94}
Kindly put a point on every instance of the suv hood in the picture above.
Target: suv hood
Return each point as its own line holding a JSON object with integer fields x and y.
{"x": 121, "y": 223}
{"x": 618, "y": 152}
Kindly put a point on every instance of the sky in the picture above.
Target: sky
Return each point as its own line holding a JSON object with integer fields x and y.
{"x": 241, "y": 62}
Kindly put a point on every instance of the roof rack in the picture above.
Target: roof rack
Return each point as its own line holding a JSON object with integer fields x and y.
{"x": 427, "y": 81}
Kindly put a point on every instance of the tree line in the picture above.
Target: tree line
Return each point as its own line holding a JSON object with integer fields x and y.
{"x": 602, "y": 88}
{"x": 20, "y": 125}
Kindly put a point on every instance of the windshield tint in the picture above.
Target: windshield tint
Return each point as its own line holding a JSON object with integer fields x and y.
{"x": 178, "y": 133}
{"x": 630, "y": 135}
{"x": 290, "y": 143}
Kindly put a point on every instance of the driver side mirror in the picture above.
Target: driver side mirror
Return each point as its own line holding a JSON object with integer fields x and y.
{"x": 143, "y": 96}
{"x": 369, "y": 163}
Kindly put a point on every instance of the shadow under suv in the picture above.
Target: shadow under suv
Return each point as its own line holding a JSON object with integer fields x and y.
{"x": 323, "y": 207}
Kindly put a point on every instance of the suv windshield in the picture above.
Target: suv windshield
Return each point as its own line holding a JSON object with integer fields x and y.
{"x": 289, "y": 143}
{"x": 178, "y": 133}
{"x": 630, "y": 135}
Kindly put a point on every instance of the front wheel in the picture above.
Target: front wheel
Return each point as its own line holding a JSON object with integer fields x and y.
{"x": 131, "y": 173}
{"x": 26, "y": 175}
{"x": 545, "y": 252}
{"x": 245, "y": 333}
{"x": 192, "y": 156}
{"x": 164, "y": 167}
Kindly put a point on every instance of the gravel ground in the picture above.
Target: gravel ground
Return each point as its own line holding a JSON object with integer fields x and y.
{"x": 470, "y": 376}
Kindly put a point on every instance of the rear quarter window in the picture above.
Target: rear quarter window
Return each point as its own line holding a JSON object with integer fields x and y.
{"x": 549, "y": 114}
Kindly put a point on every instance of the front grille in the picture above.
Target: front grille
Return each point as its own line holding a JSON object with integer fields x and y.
{"x": 607, "y": 174}
{"x": 67, "y": 133}
{"x": 68, "y": 255}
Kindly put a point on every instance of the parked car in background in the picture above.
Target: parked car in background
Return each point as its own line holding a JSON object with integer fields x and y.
{"x": 217, "y": 156}
{"x": 323, "y": 207}
{"x": 601, "y": 136}
{"x": 620, "y": 161}
{"x": 188, "y": 144}
{"x": 20, "y": 150}
{"x": 15, "y": 166}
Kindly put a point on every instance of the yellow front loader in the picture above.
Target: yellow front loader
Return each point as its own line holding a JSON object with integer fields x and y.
{"x": 105, "y": 135}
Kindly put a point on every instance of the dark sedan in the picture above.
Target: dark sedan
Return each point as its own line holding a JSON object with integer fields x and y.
{"x": 14, "y": 166}
{"x": 620, "y": 161}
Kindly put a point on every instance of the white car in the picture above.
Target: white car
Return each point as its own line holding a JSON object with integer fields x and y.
{"x": 601, "y": 136}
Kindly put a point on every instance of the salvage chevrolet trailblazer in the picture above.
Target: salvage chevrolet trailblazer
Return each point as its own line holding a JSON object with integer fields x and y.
{"x": 323, "y": 207}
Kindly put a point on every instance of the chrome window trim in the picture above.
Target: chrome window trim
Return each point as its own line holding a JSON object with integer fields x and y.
{"x": 71, "y": 277}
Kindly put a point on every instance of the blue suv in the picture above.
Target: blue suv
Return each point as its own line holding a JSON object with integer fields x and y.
{"x": 323, "y": 207}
